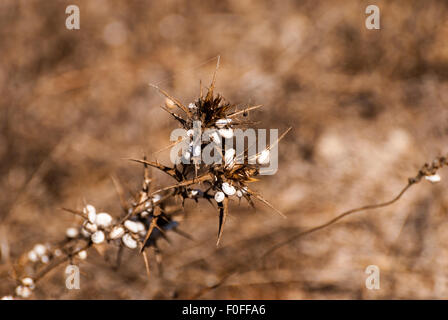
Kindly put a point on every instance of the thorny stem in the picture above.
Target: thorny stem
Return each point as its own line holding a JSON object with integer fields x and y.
{"x": 336, "y": 219}
{"x": 426, "y": 170}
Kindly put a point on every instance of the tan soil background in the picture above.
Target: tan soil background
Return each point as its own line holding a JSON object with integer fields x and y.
{"x": 367, "y": 107}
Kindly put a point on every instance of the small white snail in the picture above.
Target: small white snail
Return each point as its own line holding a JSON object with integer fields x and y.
{"x": 228, "y": 189}
{"x": 23, "y": 292}
{"x": 229, "y": 157}
{"x": 226, "y": 133}
{"x": 128, "y": 241}
{"x": 134, "y": 226}
{"x": 219, "y": 196}
{"x": 91, "y": 213}
{"x": 40, "y": 249}
{"x": 32, "y": 256}
{"x": 82, "y": 255}
{"x": 28, "y": 282}
{"x": 90, "y": 227}
{"x": 117, "y": 232}
{"x": 103, "y": 220}
{"x": 433, "y": 178}
{"x": 98, "y": 237}
{"x": 72, "y": 232}
{"x": 264, "y": 157}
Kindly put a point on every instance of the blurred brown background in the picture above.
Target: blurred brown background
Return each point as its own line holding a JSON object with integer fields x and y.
{"x": 367, "y": 107}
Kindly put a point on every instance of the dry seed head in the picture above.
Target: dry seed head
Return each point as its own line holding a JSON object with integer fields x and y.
{"x": 215, "y": 114}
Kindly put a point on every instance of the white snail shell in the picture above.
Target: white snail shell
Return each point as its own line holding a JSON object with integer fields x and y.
{"x": 229, "y": 157}
{"x": 186, "y": 156}
{"x": 72, "y": 232}
{"x": 128, "y": 241}
{"x": 117, "y": 232}
{"x": 40, "y": 249}
{"x": 28, "y": 282}
{"x": 226, "y": 133}
{"x": 134, "y": 226}
{"x": 219, "y": 196}
{"x": 23, "y": 292}
{"x": 98, "y": 237}
{"x": 264, "y": 157}
{"x": 91, "y": 213}
{"x": 144, "y": 214}
{"x": 197, "y": 151}
{"x": 228, "y": 189}
{"x": 32, "y": 256}
{"x": 82, "y": 255}
{"x": 156, "y": 198}
{"x": 103, "y": 220}
{"x": 85, "y": 233}
{"x": 433, "y": 178}
{"x": 90, "y": 227}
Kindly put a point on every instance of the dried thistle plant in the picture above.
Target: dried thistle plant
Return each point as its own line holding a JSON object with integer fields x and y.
{"x": 152, "y": 213}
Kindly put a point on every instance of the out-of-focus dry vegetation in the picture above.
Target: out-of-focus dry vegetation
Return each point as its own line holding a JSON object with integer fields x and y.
{"x": 367, "y": 108}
